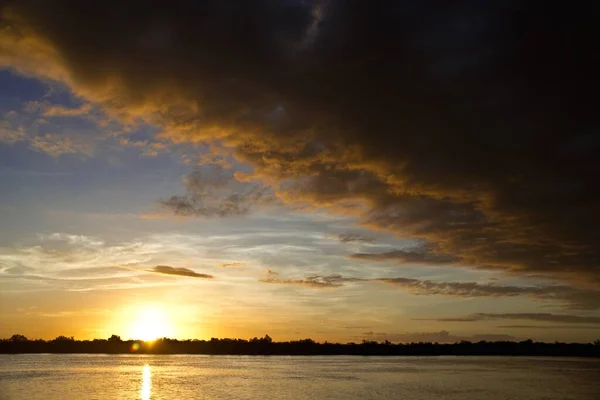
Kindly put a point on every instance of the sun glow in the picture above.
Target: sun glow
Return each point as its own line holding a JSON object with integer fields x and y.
{"x": 150, "y": 323}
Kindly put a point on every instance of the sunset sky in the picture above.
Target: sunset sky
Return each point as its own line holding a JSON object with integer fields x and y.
{"x": 339, "y": 170}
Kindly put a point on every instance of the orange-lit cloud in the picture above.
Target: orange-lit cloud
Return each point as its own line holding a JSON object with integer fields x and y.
{"x": 420, "y": 129}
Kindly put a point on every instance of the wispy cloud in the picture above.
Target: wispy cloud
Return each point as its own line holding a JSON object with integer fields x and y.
{"x": 315, "y": 281}
{"x": 213, "y": 192}
{"x": 234, "y": 265}
{"x": 38, "y": 282}
{"x": 57, "y": 145}
{"x": 570, "y": 297}
{"x": 10, "y": 134}
{"x": 542, "y": 317}
{"x": 57, "y": 110}
{"x": 147, "y": 147}
{"x": 574, "y": 298}
{"x": 550, "y": 327}
{"x": 165, "y": 269}
{"x": 408, "y": 257}
{"x": 79, "y": 262}
{"x": 87, "y": 241}
{"x": 352, "y": 237}
{"x": 67, "y": 135}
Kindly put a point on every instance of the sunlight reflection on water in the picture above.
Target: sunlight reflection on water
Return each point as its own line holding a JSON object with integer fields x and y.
{"x": 146, "y": 389}
{"x": 182, "y": 377}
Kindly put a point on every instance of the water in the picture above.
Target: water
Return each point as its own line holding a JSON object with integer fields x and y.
{"x": 66, "y": 377}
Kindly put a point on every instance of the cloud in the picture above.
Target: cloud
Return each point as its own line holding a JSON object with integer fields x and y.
{"x": 55, "y": 110}
{"x": 433, "y": 337}
{"x": 234, "y": 265}
{"x": 410, "y": 120}
{"x": 16, "y": 270}
{"x": 165, "y": 269}
{"x": 55, "y": 138}
{"x": 408, "y": 257}
{"x": 148, "y": 148}
{"x": 352, "y": 238}
{"x": 46, "y": 109}
{"x": 569, "y": 297}
{"x": 57, "y": 145}
{"x": 75, "y": 240}
{"x": 11, "y": 135}
{"x": 78, "y": 262}
{"x": 548, "y": 327}
{"x": 542, "y": 317}
{"x": 34, "y": 282}
{"x": 315, "y": 281}
{"x": 212, "y": 191}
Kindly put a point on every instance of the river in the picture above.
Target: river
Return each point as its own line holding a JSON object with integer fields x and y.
{"x": 79, "y": 376}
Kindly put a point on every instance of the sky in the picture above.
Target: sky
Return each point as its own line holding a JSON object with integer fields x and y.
{"x": 339, "y": 170}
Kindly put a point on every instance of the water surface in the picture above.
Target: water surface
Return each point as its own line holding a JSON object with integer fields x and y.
{"x": 66, "y": 377}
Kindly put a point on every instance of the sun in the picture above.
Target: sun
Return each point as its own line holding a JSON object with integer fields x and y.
{"x": 150, "y": 323}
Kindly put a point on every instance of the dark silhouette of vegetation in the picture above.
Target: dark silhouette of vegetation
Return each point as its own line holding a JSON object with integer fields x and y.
{"x": 266, "y": 346}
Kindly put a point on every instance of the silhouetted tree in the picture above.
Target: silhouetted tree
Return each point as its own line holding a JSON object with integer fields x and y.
{"x": 266, "y": 346}
{"x": 114, "y": 338}
{"x": 62, "y": 338}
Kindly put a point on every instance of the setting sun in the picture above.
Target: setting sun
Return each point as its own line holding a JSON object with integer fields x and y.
{"x": 246, "y": 199}
{"x": 150, "y": 323}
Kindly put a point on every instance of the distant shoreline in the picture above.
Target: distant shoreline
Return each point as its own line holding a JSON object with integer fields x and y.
{"x": 591, "y": 357}
{"x": 19, "y": 344}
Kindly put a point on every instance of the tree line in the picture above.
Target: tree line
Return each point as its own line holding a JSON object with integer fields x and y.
{"x": 266, "y": 346}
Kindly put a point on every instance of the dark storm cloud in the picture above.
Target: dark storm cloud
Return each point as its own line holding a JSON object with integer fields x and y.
{"x": 542, "y": 317}
{"x": 470, "y": 125}
{"x": 165, "y": 269}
